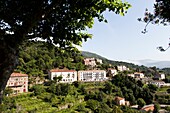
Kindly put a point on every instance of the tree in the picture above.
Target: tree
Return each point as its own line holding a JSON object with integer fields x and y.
{"x": 116, "y": 109}
{"x": 58, "y": 22}
{"x": 153, "y": 88}
{"x": 8, "y": 91}
{"x": 161, "y": 15}
{"x": 141, "y": 102}
{"x": 156, "y": 108}
{"x": 38, "y": 89}
{"x": 58, "y": 79}
{"x": 167, "y": 108}
{"x": 93, "y": 104}
{"x": 168, "y": 90}
{"x": 108, "y": 87}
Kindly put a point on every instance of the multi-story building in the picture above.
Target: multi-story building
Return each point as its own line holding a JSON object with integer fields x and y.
{"x": 121, "y": 101}
{"x": 131, "y": 75}
{"x": 68, "y": 76}
{"x": 139, "y": 75}
{"x": 122, "y": 68}
{"x": 90, "y": 62}
{"x": 159, "y": 76}
{"x": 18, "y": 82}
{"x": 92, "y": 75}
{"x": 112, "y": 72}
{"x": 99, "y": 61}
{"x": 158, "y": 83}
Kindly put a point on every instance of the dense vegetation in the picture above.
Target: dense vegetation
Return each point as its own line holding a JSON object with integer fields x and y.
{"x": 59, "y": 22}
{"x": 36, "y": 60}
{"x": 98, "y": 97}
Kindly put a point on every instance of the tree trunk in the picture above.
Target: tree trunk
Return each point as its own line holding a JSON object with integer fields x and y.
{"x": 8, "y": 62}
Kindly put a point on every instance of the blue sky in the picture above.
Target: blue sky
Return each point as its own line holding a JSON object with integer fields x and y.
{"x": 121, "y": 38}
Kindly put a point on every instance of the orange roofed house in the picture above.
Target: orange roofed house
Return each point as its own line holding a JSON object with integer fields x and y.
{"x": 121, "y": 101}
{"x": 68, "y": 76}
{"x": 148, "y": 108}
{"x": 18, "y": 82}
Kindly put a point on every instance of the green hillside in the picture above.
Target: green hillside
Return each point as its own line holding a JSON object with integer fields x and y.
{"x": 87, "y": 54}
{"x": 114, "y": 63}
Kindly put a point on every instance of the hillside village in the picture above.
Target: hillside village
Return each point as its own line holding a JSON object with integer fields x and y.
{"x": 19, "y": 82}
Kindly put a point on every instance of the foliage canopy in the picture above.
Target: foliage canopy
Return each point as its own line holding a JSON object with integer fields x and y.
{"x": 58, "y": 22}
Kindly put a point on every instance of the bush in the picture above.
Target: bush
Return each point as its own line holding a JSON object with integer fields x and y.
{"x": 92, "y": 104}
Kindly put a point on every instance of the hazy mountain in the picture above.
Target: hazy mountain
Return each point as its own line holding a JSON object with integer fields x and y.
{"x": 113, "y": 62}
{"x": 151, "y": 63}
{"x": 131, "y": 63}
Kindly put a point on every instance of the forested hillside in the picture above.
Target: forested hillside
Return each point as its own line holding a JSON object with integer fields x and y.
{"x": 114, "y": 63}
{"x": 35, "y": 59}
{"x": 94, "y": 97}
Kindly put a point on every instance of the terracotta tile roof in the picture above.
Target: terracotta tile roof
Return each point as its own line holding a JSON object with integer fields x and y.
{"x": 111, "y": 69}
{"x": 148, "y": 107}
{"x": 119, "y": 98}
{"x": 61, "y": 70}
{"x": 92, "y": 71}
{"x": 18, "y": 75}
{"x": 138, "y": 73}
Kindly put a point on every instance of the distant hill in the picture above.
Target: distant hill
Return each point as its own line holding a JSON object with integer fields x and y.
{"x": 87, "y": 54}
{"x": 133, "y": 64}
{"x": 151, "y": 63}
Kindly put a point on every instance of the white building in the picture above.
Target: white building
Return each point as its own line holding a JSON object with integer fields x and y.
{"x": 120, "y": 100}
{"x": 67, "y": 75}
{"x": 158, "y": 83}
{"x": 112, "y": 72}
{"x": 139, "y": 75}
{"x": 122, "y": 68}
{"x": 18, "y": 82}
{"x": 159, "y": 76}
{"x": 92, "y": 75}
{"x": 90, "y": 62}
{"x": 131, "y": 75}
{"x": 99, "y": 61}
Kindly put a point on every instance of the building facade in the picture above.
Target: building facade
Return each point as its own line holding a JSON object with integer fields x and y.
{"x": 99, "y": 61}
{"x": 139, "y": 75}
{"x": 122, "y": 68}
{"x": 159, "y": 76}
{"x": 112, "y": 72}
{"x": 90, "y": 62}
{"x": 120, "y": 100}
{"x": 158, "y": 83}
{"x": 18, "y": 82}
{"x": 92, "y": 75}
{"x": 68, "y": 76}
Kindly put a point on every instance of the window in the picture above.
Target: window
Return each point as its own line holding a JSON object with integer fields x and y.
{"x": 68, "y": 76}
{"x": 73, "y": 75}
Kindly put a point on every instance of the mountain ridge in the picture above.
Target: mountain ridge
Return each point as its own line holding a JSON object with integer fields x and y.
{"x": 114, "y": 63}
{"x": 132, "y": 63}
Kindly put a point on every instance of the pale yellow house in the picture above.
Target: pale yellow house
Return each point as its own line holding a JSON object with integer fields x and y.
{"x": 18, "y": 82}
